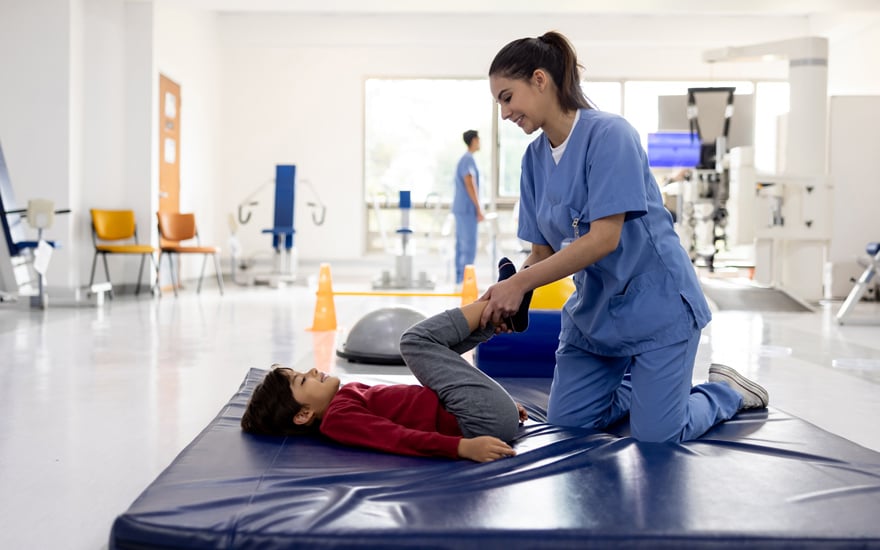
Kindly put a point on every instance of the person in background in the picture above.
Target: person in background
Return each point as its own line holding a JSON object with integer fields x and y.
{"x": 466, "y": 206}
{"x": 590, "y": 208}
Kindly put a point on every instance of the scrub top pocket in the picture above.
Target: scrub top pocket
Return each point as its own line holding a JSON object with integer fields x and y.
{"x": 649, "y": 308}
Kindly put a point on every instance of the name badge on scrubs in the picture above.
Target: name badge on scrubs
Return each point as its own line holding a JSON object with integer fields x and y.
{"x": 577, "y": 233}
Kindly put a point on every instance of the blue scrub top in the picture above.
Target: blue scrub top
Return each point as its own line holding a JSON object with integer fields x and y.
{"x": 461, "y": 201}
{"x": 643, "y": 296}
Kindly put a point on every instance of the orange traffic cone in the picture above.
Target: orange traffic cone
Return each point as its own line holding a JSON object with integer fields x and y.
{"x": 469, "y": 286}
{"x": 325, "y": 309}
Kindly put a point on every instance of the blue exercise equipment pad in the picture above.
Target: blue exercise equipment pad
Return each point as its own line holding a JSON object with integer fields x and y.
{"x": 529, "y": 354}
{"x": 764, "y": 479}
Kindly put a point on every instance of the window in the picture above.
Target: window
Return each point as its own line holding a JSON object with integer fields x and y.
{"x": 606, "y": 96}
{"x": 412, "y": 142}
{"x": 413, "y": 134}
{"x": 771, "y": 102}
{"x": 513, "y": 142}
{"x": 413, "y": 131}
{"x": 642, "y": 100}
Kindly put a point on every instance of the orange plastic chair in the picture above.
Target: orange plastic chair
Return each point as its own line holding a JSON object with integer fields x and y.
{"x": 113, "y": 226}
{"x": 175, "y": 228}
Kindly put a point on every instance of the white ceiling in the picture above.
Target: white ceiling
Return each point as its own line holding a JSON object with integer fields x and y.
{"x": 548, "y": 7}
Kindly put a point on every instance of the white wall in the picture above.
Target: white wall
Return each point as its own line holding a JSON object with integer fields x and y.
{"x": 293, "y": 90}
{"x": 63, "y": 122}
{"x": 853, "y": 52}
{"x": 854, "y": 146}
{"x": 35, "y": 116}
{"x": 854, "y": 87}
{"x": 101, "y": 141}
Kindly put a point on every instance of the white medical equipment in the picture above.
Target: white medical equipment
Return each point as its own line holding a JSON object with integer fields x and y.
{"x": 402, "y": 277}
{"x": 284, "y": 261}
{"x": 697, "y": 132}
{"x": 792, "y": 228}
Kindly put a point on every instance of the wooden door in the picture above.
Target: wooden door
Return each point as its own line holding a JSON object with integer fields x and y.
{"x": 169, "y": 145}
{"x": 169, "y": 156}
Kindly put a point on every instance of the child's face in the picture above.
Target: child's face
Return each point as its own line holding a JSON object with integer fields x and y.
{"x": 313, "y": 389}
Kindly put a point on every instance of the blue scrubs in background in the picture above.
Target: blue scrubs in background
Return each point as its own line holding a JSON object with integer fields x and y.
{"x": 465, "y": 212}
{"x": 630, "y": 330}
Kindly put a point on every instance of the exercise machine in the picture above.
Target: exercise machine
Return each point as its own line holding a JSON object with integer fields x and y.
{"x": 284, "y": 263}
{"x": 23, "y": 261}
{"x": 403, "y": 273}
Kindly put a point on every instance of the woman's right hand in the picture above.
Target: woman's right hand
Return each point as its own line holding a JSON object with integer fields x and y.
{"x": 504, "y": 299}
{"x": 484, "y": 448}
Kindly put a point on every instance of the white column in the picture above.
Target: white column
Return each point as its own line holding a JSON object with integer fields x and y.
{"x": 808, "y": 114}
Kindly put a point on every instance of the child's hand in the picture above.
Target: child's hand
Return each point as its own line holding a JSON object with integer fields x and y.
{"x": 484, "y": 448}
{"x": 523, "y": 415}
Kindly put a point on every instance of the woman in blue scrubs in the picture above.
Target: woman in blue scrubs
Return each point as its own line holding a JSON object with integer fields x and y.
{"x": 591, "y": 208}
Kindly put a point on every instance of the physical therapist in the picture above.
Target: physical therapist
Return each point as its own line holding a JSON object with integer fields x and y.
{"x": 466, "y": 205}
{"x": 591, "y": 208}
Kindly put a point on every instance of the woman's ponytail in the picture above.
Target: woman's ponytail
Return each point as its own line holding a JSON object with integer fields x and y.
{"x": 551, "y": 52}
{"x": 568, "y": 81}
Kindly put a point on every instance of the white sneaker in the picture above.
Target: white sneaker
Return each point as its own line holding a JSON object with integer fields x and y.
{"x": 754, "y": 396}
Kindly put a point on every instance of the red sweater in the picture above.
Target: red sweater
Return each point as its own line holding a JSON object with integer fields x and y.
{"x": 401, "y": 419}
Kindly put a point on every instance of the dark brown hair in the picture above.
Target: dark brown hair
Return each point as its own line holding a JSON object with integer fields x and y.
{"x": 551, "y": 52}
{"x": 271, "y": 408}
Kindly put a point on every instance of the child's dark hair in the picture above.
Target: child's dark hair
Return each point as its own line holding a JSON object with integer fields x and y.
{"x": 271, "y": 408}
{"x": 551, "y": 52}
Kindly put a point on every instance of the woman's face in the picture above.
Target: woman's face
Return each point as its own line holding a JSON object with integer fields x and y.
{"x": 522, "y": 101}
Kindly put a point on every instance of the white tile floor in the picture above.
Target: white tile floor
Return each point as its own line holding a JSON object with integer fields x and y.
{"x": 95, "y": 402}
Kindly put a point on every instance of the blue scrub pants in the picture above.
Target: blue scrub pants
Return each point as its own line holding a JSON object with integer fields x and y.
{"x": 465, "y": 243}
{"x": 654, "y": 387}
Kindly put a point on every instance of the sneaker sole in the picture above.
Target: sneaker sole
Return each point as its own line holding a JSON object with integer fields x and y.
{"x": 743, "y": 382}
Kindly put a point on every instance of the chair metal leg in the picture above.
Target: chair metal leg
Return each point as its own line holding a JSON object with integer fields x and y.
{"x": 173, "y": 272}
{"x": 137, "y": 289}
{"x": 94, "y": 261}
{"x": 39, "y": 301}
{"x": 107, "y": 273}
{"x": 157, "y": 267}
{"x": 202, "y": 274}
{"x": 219, "y": 274}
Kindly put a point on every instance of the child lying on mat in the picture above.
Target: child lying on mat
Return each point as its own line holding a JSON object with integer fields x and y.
{"x": 457, "y": 412}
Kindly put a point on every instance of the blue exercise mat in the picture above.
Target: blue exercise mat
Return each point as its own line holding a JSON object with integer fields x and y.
{"x": 764, "y": 479}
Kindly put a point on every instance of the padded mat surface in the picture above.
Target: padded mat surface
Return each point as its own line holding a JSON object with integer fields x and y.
{"x": 764, "y": 479}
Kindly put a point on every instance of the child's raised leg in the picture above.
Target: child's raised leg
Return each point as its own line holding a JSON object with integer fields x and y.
{"x": 429, "y": 349}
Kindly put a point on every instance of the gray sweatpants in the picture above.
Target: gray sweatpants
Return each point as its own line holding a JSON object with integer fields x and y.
{"x": 432, "y": 350}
